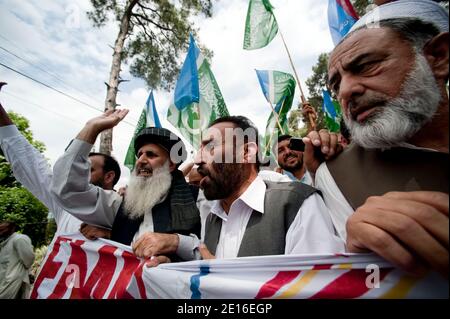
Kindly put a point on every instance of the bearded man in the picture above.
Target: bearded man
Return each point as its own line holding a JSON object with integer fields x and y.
{"x": 158, "y": 214}
{"x": 291, "y": 161}
{"x": 389, "y": 75}
{"x": 250, "y": 216}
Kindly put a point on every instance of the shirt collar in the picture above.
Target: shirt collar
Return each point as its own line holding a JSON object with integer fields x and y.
{"x": 253, "y": 197}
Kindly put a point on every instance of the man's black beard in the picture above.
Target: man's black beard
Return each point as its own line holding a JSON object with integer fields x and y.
{"x": 292, "y": 168}
{"x": 222, "y": 185}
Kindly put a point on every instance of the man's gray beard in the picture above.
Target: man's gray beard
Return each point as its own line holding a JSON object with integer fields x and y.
{"x": 401, "y": 117}
{"x": 145, "y": 192}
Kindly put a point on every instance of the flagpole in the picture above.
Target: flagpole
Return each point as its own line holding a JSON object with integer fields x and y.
{"x": 277, "y": 116}
{"x": 271, "y": 135}
{"x": 200, "y": 123}
{"x": 302, "y": 96}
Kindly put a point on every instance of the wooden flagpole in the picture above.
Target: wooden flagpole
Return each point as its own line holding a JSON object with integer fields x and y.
{"x": 302, "y": 96}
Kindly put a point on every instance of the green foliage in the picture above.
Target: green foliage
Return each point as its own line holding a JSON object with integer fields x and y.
{"x": 6, "y": 176}
{"x": 361, "y": 6}
{"x": 295, "y": 127}
{"x": 159, "y": 32}
{"x": 316, "y": 83}
{"x": 18, "y": 205}
{"x": 39, "y": 255}
{"x": 50, "y": 230}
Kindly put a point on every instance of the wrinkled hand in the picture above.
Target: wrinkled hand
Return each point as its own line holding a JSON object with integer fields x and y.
{"x": 154, "y": 244}
{"x": 409, "y": 229}
{"x": 156, "y": 260}
{"x": 92, "y": 232}
{"x": 95, "y": 126}
{"x": 107, "y": 120}
{"x": 320, "y": 146}
{"x": 205, "y": 253}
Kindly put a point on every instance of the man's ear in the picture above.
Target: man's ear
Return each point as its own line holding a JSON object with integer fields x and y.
{"x": 436, "y": 53}
{"x": 250, "y": 152}
{"x": 109, "y": 178}
{"x": 172, "y": 166}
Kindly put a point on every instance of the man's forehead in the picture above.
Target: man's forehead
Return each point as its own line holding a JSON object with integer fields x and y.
{"x": 218, "y": 131}
{"x": 360, "y": 42}
{"x": 97, "y": 159}
{"x": 284, "y": 142}
{"x": 156, "y": 148}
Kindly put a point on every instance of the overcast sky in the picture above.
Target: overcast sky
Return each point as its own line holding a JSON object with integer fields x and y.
{"x": 57, "y": 37}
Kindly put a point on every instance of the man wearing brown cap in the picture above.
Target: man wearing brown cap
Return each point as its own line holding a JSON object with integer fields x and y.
{"x": 157, "y": 216}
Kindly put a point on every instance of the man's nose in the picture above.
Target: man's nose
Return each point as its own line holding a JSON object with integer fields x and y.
{"x": 142, "y": 159}
{"x": 198, "y": 159}
{"x": 349, "y": 88}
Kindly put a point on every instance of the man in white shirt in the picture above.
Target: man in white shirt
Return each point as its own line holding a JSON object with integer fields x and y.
{"x": 31, "y": 169}
{"x": 389, "y": 74}
{"x": 251, "y": 217}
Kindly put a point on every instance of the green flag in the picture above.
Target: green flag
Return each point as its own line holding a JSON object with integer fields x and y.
{"x": 261, "y": 26}
{"x": 149, "y": 117}
{"x": 198, "y": 100}
{"x": 279, "y": 89}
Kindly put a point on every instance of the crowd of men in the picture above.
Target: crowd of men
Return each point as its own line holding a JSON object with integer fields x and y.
{"x": 386, "y": 192}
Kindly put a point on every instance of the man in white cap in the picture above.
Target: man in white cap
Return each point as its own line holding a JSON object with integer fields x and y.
{"x": 389, "y": 75}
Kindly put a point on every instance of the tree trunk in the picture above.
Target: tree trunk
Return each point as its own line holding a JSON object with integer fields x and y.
{"x": 113, "y": 84}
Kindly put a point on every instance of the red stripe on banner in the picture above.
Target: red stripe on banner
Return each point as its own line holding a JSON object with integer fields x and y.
{"x": 50, "y": 268}
{"x": 273, "y": 285}
{"x": 102, "y": 274}
{"x": 352, "y": 284}
{"x": 348, "y": 8}
{"x": 77, "y": 265}
{"x": 322, "y": 267}
{"x": 140, "y": 282}
{"x": 130, "y": 266}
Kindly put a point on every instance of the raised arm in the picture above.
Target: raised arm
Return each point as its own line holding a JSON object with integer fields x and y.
{"x": 29, "y": 166}
{"x": 70, "y": 185}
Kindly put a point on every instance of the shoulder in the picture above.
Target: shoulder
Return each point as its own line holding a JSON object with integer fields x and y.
{"x": 292, "y": 186}
{"x": 21, "y": 239}
{"x": 272, "y": 176}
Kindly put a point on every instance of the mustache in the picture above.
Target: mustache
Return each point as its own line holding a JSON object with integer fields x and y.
{"x": 368, "y": 101}
{"x": 290, "y": 155}
{"x": 203, "y": 171}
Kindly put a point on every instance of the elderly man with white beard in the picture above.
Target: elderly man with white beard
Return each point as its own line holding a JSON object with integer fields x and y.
{"x": 388, "y": 192}
{"x": 157, "y": 216}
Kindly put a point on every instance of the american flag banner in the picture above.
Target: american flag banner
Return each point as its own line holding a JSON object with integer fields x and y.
{"x": 78, "y": 268}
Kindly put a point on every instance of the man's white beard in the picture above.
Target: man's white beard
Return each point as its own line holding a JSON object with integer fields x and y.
{"x": 145, "y": 192}
{"x": 401, "y": 117}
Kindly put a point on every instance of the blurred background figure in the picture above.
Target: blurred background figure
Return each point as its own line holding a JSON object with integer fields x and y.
{"x": 16, "y": 258}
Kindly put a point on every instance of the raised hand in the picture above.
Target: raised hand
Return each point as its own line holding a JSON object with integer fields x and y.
{"x": 108, "y": 120}
{"x": 320, "y": 146}
{"x": 98, "y": 124}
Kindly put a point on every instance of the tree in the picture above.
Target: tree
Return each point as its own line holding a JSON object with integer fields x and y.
{"x": 318, "y": 82}
{"x": 17, "y": 203}
{"x": 6, "y": 177}
{"x": 152, "y": 34}
{"x": 361, "y": 6}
